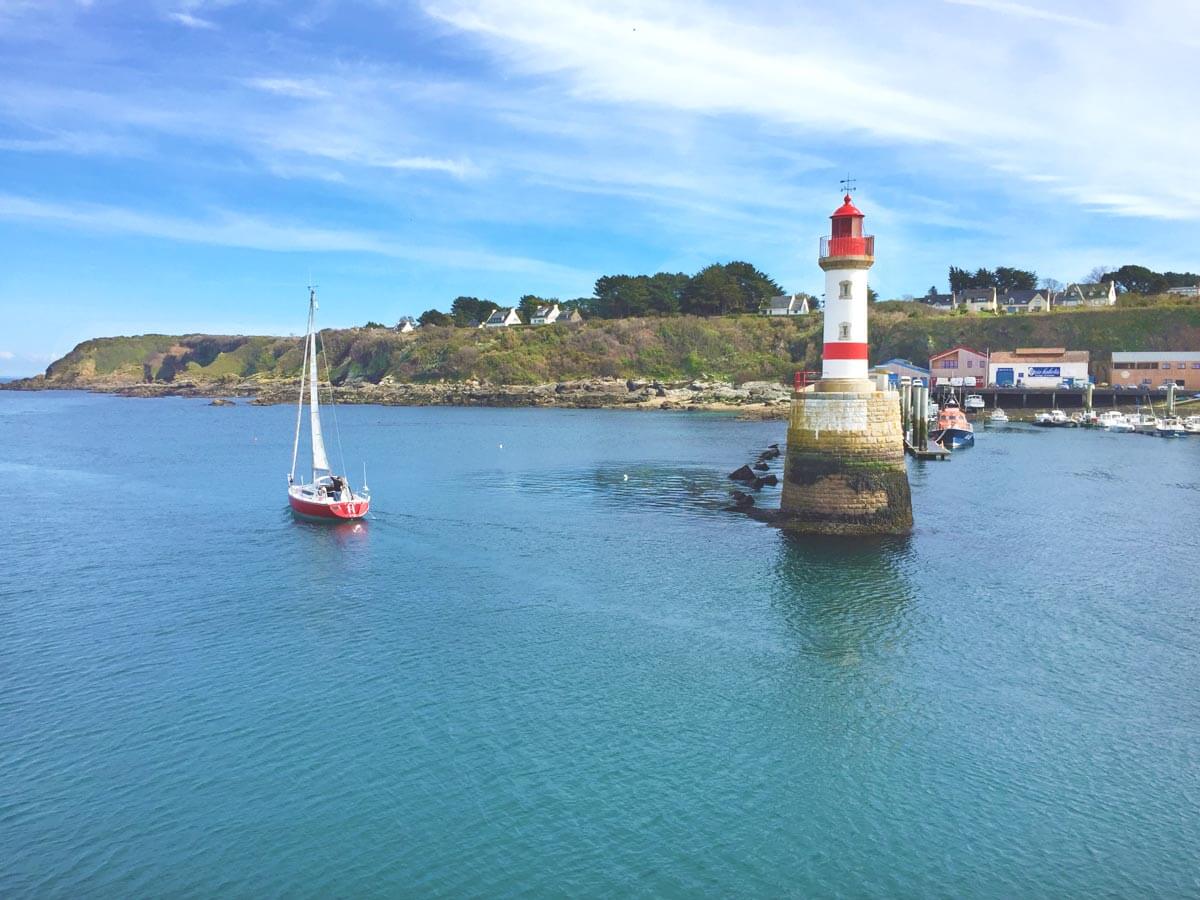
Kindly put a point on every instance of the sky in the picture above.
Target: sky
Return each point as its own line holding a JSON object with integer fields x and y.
{"x": 180, "y": 166}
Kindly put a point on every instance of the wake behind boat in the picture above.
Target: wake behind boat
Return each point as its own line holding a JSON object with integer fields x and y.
{"x": 328, "y": 497}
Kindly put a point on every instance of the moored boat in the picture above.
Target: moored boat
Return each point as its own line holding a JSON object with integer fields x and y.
{"x": 1056, "y": 418}
{"x": 1192, "y": 424}
{"x": 998, "y": 417}
{"x": 328, "y": 497}
{"x": 1115, "y": 421}
{"x": 974, "y": 402}
{"x": 1170, "y": 426}
{"x": 952, "y": 429}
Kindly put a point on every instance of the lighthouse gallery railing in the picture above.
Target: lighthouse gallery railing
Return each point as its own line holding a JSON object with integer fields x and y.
{"x": 848, "y": 246}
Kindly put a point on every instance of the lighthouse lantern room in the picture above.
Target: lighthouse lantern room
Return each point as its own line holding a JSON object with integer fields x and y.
{"x": 846, "y": 255}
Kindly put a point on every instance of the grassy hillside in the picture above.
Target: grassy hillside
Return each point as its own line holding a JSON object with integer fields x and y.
{"x": 737, "y": 348}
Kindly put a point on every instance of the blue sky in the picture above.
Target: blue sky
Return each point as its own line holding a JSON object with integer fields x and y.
{"x": 183, "y": 165}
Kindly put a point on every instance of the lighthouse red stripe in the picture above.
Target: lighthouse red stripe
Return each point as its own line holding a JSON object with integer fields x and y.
{"x": 845, "y": 350}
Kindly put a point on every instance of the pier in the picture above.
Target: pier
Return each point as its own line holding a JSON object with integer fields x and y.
{"x": 1059, "y": 398}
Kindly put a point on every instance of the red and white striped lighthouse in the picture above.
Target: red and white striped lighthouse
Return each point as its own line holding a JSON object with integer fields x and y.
{"x": 846, "y": 255}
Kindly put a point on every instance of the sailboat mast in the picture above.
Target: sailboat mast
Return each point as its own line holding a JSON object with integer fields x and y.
{"x": 300, "y": 403}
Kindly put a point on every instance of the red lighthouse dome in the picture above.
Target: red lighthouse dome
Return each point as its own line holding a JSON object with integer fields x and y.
{"x": 846, "y": 236}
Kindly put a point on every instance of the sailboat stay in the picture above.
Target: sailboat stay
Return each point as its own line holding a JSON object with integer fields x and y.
{"x": 328, "y": 497}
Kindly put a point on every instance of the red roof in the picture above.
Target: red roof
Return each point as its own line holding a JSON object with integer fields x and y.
{"x": 847, "y": 209}
{"x": 955, "y": 349}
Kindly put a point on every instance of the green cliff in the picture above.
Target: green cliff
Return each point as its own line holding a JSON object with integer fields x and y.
{"x": 734, "y": 348}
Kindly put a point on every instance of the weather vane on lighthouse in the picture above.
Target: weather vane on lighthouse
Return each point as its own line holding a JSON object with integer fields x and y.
{"x": 848, "y": 184}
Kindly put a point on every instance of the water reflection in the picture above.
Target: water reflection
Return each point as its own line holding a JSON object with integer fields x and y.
{"x": 845, "y": 600}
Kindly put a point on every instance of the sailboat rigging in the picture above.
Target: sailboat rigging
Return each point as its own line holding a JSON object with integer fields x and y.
{"x": 327, "y": 497}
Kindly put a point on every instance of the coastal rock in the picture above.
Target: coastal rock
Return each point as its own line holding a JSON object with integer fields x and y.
{"x": 741, "y": 501}
{"x": 745, "y": 473}
{"x": 221, "y": 401}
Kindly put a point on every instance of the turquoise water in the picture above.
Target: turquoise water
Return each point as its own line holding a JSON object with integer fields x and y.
{"x": 530, "y": 674}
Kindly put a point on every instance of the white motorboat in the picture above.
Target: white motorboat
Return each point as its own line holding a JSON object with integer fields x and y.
{"x": 974, "y": 402}
{"x": 998, "y": 417}
{"x": 1146, "y": 423}
{"x": 1056, "y": 418}
{"x": 1192, "y": 424}
{"x": 1170, "y": 426}
{"x": 1115, "y": 421}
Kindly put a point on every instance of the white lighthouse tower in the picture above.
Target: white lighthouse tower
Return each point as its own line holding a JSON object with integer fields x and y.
{"x": 844, "y": 470}
{"x": 846, "y": 255}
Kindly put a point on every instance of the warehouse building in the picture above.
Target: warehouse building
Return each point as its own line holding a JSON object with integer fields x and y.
{"x": 1038, "y": 367}
{"x": 1156, "y": 367}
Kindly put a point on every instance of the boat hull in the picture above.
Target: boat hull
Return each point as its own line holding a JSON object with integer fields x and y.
{"x": 953, "y": 438}
{"x": 338, "y": 511}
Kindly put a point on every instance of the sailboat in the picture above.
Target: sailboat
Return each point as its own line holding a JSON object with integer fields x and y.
{"x": 328, "y": 497}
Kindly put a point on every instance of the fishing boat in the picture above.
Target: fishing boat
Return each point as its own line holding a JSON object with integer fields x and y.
{"x": 327, "y": 497}
{"x": 1056, "y": 418}
{"x": 1192, "y": 424}
{"x": 998, "y": 417}
{"x": 952, "y": 429}
{"x": 1170, "y": 426}
{"x": 1115, "y": 421}
{"x": 1145, "y": 423}
{"x": 974, "y": 402}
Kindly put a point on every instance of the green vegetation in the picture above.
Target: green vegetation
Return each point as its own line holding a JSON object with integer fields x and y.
{"x": 1002, "y": 278}
{"x": 676, "y": 348}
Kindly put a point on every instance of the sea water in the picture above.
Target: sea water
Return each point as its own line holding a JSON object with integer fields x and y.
{"x": 550, "y": 663}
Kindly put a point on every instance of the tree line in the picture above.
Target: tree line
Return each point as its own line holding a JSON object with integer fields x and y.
{"x": 1002, "y": 278}
{"x": 716, "y": 290}
{"x": 1140, "y": 280}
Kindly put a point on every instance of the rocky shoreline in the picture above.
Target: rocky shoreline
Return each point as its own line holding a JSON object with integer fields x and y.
{"x": 754, "y": 399}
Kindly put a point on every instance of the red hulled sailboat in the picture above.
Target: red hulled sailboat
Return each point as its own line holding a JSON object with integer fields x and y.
{"x": 328, "y": 497}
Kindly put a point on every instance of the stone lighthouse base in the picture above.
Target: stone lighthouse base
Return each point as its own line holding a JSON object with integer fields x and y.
{"x": 844, "y": 471}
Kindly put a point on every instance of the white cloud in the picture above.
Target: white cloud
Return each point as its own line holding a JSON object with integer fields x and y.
{"x": 1028, "y": 12}
{"x": 7, "y": 354}
{"x": 231, "y": 229}
{"x": 191, "y": 21}
{"x": 303, "y": 89}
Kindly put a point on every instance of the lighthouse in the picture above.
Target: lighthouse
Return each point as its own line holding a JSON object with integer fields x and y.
{"x": 844, "y": 471}
{"x": 846, "y": 255}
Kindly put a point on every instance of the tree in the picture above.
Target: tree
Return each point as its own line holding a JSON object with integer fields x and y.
{"x": 1051, "y": 284}
{"x": 1007, "y": 279}
{"x": 471, "y": 309}
{"x": 713, "y": 291}
{"x": 435, "y": 317}
{"x": 374, "y": 324}
{"x": 1138, "y": 280}
{"x": 932, "y": 292}
{"x": 872, "y": 295}
{"x": 960, "y": 280}
{"x": 529, "y": 304}
{"x": 1096, "y": 275}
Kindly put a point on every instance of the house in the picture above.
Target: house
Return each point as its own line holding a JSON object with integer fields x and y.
{"x": 1188, "y": 290}
{"x": 977, "y": 300}
{"x": 1156, "y": 367}
{"x": 505, "y": 317}
{"x": 545, "y": 315}
{"x": 786, "y": 305}
{"x": 570, "y": 316}
{"x": 1102, "y": 294}
{"x": 942, "y": 302}
{"x": 1038, "y": 367}
{"x": 958, "y": 366}
{"x": 896, "y": 369}
{"x": 407, "y": 325}
{"x": 1024, "y": 301}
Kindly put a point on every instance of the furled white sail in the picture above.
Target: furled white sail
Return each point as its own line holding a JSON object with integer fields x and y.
{"x": 320, "y": 460}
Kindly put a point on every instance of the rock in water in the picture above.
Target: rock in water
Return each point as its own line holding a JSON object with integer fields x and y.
{"x": 745, "y": 473}
{"x": 741, "y": 501}
{"x": 219, "y": 401}
{"x": 761, "y": 466}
